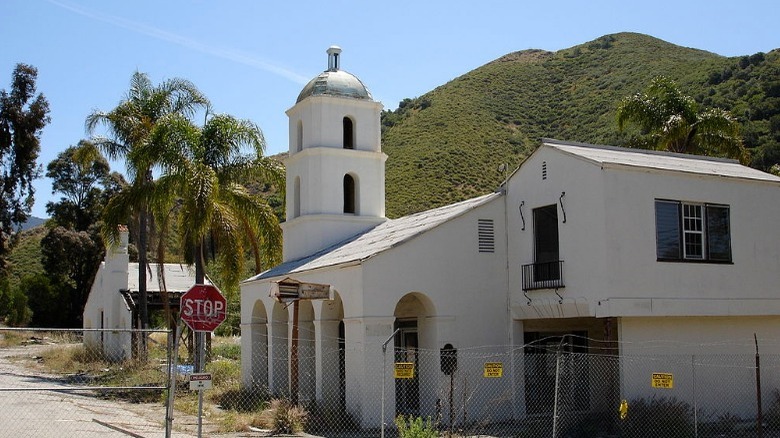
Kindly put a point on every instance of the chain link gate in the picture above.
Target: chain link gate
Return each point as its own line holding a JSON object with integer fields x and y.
{"x": 83, "y": 382}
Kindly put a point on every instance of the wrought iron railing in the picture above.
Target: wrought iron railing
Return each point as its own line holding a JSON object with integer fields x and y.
{"x": 547, "y": 275}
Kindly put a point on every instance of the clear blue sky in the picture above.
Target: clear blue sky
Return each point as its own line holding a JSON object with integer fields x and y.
{"x": 252, "y": 57}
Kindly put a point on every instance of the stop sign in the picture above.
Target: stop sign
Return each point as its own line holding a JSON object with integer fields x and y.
{"x": 203, "y": 308}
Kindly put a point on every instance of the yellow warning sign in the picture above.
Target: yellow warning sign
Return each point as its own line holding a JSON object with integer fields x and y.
{"x": 404, "y": 370}
{"x": 493, "y": 369}
{"x": 662, "y": 380}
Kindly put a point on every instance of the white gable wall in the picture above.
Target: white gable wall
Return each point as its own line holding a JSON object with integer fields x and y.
{"x": 582, "y": 238}
{"x": 465, "y": 296}
{"x": 465, "y": 286}
{"x": 610, "y": 230}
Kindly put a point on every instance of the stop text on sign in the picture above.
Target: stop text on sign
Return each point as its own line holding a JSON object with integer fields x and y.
{"x": 202, "y": 308}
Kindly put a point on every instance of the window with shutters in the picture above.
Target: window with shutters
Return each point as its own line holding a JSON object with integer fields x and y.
{"x": 696, "y": 232}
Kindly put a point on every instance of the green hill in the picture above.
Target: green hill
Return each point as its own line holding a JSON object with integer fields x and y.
{"x": 447, "y": 145}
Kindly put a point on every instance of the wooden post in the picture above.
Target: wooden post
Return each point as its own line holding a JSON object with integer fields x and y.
{"x": 294, "y": 357}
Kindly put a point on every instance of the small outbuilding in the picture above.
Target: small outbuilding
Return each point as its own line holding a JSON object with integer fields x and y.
{"x": 112, "y": 305}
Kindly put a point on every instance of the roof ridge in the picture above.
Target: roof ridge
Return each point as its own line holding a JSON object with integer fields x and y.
{"x": 552, "y": 142}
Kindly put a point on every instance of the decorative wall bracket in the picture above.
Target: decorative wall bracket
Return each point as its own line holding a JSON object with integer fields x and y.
{"x": 522, "y": 203}
{"x": 560, "y": 200}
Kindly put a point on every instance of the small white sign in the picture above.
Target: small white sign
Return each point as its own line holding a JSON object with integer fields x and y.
{"x": 200, "y": 381}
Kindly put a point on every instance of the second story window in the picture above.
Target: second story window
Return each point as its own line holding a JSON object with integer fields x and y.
{"x": 692, "y": 231}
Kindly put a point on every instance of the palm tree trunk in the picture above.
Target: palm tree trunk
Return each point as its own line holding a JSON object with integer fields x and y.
{"x": 200, "y": 338}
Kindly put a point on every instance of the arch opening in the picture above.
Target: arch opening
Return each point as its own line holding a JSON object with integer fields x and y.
{"x": 349, "y": 133}
{"x": 350, "y": 195}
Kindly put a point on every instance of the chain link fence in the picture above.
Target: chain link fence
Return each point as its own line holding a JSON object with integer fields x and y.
{"x": 76, "y": 383}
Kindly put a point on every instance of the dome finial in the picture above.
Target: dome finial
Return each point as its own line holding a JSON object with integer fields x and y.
{"x": 333, "y": 58}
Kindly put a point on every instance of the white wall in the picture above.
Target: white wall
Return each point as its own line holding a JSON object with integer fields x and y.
{"x": 712, "y": 360}
{"x": 746, "y": 287}
{"x": 104, "y": 297}
{"x": 323, "y": 116}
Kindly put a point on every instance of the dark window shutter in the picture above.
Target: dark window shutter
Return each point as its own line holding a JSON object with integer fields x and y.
{"x": 667, "y": 230}
{"x": 718, "y": 233}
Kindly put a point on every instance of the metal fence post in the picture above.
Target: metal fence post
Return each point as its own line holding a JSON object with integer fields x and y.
{"x": 555, "y": 401}
{"x": 384, "y": 374}
{"x": 173, "y": 362}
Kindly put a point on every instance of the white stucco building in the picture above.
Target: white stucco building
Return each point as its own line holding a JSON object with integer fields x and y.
{"x": 613, "y": 249}
{"x": 113, "y": 299}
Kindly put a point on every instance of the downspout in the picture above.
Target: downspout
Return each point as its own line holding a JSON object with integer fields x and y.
{"x": 504, "y": 192}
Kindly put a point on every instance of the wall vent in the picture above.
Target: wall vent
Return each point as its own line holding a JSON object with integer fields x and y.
{"x": 544, "y": 170}
{"x": 487, "y": 237}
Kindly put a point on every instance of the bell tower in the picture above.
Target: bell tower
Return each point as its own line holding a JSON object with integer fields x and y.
{"x": 335, "y": 167}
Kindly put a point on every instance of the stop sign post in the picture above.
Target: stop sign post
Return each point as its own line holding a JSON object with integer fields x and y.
{"x": 203, "y": 308}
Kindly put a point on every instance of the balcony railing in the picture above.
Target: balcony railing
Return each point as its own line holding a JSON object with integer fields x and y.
{"x": 547, "y": 275}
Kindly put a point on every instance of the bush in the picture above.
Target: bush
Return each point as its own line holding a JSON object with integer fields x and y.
{"x": 414, "y": 427}
{"x": 227, "y": 350}
{"x": 240, "y": 399}
{"x": 326, "y": 417}
{"x": 281, "y": 416}
{"x": 224, "y": 372}
{"x": 662, "y": 417}
{"x": 14, "y": 306}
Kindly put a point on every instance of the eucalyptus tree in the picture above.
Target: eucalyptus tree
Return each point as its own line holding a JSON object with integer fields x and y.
{"x": 73, "y": 246}
{"x": 81, "y": 180}
{"x": 129, "y": 128}
{"x": 23, "y": 114}
{"x": 673, "y": 121}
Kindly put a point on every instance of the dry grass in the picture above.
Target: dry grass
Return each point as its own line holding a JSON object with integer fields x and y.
{"x": 228, "y": 406}
{"x": 12, "y": 338}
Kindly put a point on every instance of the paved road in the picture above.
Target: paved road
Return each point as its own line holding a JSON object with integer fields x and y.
{"x": 66, "y": 414}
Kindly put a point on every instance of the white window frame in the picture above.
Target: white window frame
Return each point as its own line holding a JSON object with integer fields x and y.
{"x": 693, "y": 227}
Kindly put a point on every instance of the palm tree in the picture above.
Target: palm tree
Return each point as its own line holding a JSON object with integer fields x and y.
{"x": 201, "y": 191}
{"x": 674, "y": 122}
{"x": 130, "y": 126}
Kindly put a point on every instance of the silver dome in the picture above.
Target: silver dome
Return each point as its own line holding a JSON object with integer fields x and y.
{"x": 335, "y": 82}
